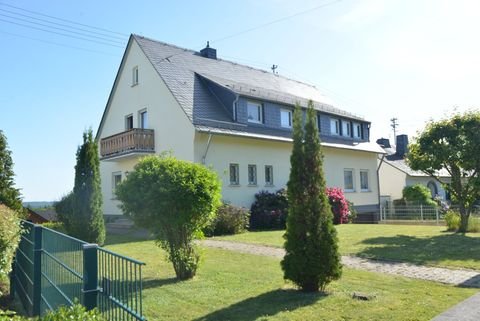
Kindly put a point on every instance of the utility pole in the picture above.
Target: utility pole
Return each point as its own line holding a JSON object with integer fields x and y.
{"x": 394, "y": 125}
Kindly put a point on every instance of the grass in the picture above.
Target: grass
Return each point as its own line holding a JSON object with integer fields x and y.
{"x": 427, "y": 245}
{"x": 234, "y": 286}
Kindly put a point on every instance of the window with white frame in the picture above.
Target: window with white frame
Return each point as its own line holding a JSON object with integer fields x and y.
{"x": 128, "y": 122}
{"x": 116, "y": 179}
{"x": 346, "y": 128}
{"x": 286, "y": 118}
{"x": 234, "y": 178}
{"x": 143, "y": 119}
{"x": 356, "y": 130}
{"x": 252, "y": 174}
{"x": 135, "y": 76}
{"x": 364, "y": 185}
{"x": 348, "y": 180}
{"x": 268, "y": 175}
{"x": 334, "y": 126}
{"x": 255, "y": 112}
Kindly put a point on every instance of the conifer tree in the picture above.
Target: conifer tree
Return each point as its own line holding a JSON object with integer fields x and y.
{"x": 86, "y": 222}
{"x": 312, "y": 260}
{"x": 9, "y": 195}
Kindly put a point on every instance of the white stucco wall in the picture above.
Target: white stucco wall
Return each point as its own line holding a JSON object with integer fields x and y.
{"x": 224, "y": 150}
{"x": 173, "y": 130}
{"x": 392, "y": 181}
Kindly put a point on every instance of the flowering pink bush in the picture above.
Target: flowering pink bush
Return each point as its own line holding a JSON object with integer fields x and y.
{"x": 339, "y": 205}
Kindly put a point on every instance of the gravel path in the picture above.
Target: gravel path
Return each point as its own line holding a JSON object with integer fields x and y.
{"x": 467, "y": 278}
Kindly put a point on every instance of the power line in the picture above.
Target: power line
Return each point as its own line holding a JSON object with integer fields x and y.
{"x": 58, "y": 44}
{"x": 64, "y": 20}
{"x": 59, "y": 33}
{"x": 60, "y": 24}
{"x": 61, "y": 29}
{"x": 276, "y": 21}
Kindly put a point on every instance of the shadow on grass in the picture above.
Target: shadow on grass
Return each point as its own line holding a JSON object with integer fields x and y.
{"x": 156, "y": 283}
{"x": 266, "y": 304}
{"x": 121, "y": 236}
{"x": 425, "y": 250}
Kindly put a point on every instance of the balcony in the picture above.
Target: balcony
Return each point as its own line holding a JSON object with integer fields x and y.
{"x": 129, "y": 143}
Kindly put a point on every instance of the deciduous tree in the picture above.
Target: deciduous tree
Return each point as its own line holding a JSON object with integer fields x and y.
{"x": 452, "y": 145}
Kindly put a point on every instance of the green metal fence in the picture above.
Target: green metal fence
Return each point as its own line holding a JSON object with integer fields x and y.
{"x": 53, "y": 269}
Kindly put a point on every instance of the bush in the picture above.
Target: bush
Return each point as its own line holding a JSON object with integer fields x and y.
{"x": 418, "y": 194}
{"x": 175, "y": 200}
{"x": 56, "y": 226}
{"x": 10, "y": 231}
{"x": 64, "y": 209}
{"x": 452, "y": 219}
{"x": 269, "y": 211}
{"x": 76, "y": 312}
{"x": 352, "y": 212}
{"x": 339, "y": 204}
{"x": 229, "y": 220}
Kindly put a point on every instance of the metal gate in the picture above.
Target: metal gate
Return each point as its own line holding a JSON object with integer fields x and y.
{"x": 52, "y": 269}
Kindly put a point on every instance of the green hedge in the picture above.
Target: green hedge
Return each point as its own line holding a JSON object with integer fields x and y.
{"x": 10, "y": 231}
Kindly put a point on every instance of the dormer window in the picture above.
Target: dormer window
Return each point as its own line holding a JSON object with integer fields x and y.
{"x": 346, "y": 130}
{"x": 286, "y": 118}
{"x": 357, "y": 132}
{"x": 334, "y": 126}
{"x": 255, "y": 112}
{"x": 135, "y": 76}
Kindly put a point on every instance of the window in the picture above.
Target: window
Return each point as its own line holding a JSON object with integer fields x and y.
{"x": 252, "y": 174}
{"x": 128, "y": 122}
{"x": 348, "y": 180}
{"x": 116, "y": 179}
{"x": 135, "y": 76}
{"x": 346, "y": 130}
{"x": 269, "y": 175}
{"x": 255, "y": 112}
{"x": 335, "y": 126}
{"x": 234, "y": 178}
{"x": 286, "y": 118}
{"x": 143, "y": 119}
{"x": 356, "y": 130}
{"x": 364, "y": 187}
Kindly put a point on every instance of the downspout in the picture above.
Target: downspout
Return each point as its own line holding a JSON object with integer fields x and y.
{"x": 378, "y": 182}
{"x": 206, "y": 149}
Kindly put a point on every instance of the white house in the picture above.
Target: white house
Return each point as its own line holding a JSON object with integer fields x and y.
{"x": 234, "y": 118}
{"x": 395, "y": 174}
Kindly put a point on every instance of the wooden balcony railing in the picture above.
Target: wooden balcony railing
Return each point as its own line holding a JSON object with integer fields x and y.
{"x": 135, "y": 140}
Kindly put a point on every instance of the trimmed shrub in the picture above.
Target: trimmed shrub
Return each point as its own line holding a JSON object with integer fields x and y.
{"x": 229, "y": 220}
{"x": 10, "y": 231}
{"x": 339, "y": 205}
{"x": 418, "y": 194}
{"x": 269, "y": 211}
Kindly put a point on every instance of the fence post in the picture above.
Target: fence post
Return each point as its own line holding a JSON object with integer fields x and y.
{"x": 436, "y": 214}
{"x": 421, "y": 212}
{"x": 90, "y": 276}
{"x": 37, "y": 269}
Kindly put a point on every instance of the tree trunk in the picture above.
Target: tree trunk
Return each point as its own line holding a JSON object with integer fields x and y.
{"x": 464, "y": 215}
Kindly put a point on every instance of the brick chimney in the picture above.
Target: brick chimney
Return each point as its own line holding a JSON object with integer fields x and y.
{"x": 402, "y": 145}
{"x": 208, "y": 52}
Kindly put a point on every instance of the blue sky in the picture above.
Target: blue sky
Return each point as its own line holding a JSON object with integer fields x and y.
{"x": 410, "y": 59}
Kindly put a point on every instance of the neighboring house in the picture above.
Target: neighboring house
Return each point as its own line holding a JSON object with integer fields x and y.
{"x": 40, "y": 216}
{"x": 234, "y": 118}
{"x": 395, "y": 173}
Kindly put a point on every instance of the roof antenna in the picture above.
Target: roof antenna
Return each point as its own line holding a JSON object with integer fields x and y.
{"x": 274, "y": 69}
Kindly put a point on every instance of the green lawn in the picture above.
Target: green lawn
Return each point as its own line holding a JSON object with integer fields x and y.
{"x": 234, "y": 286}
{"x": 428, "y": 245}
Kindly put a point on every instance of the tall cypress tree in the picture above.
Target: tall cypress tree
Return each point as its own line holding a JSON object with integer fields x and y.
{"x": 312, "y": 260}
{"x": 87, "y": 218}
{"x": 9, "y": 195}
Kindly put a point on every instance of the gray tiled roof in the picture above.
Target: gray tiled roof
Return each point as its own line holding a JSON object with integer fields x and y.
{"x": 178, "y": 68}
{"x": 400, "y": 163}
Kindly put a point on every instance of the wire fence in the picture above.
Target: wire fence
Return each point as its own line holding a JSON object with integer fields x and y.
{"x": 418, "y": 213}
{"x": 52, "y": 269}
